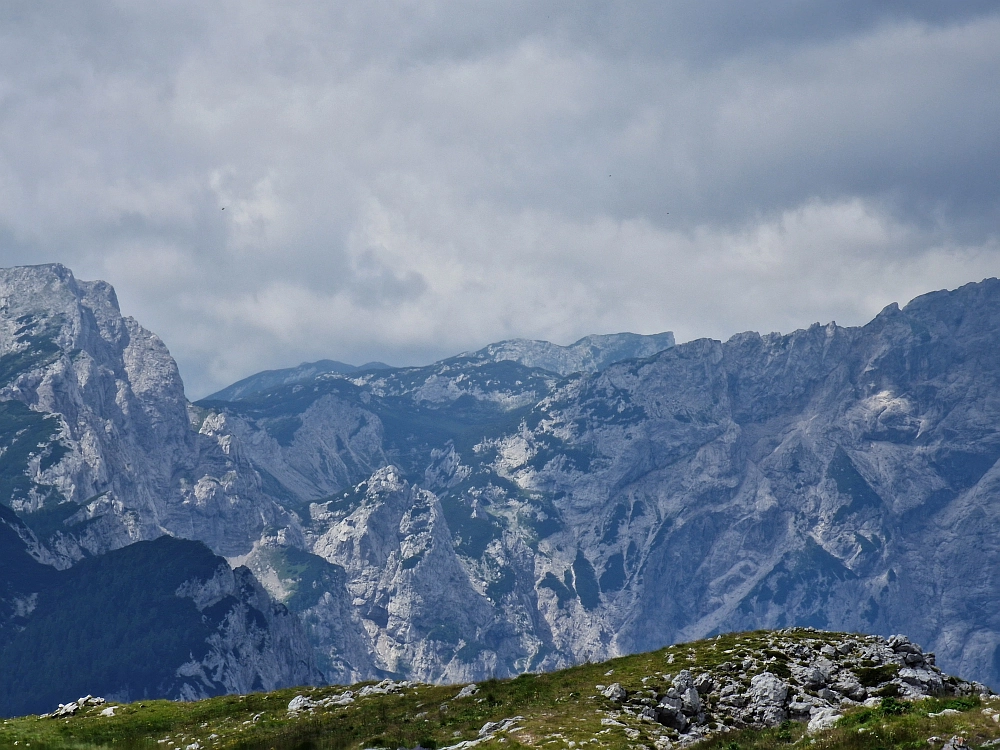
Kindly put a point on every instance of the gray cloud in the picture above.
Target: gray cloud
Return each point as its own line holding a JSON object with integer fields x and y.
{"x": 405, "y": 180}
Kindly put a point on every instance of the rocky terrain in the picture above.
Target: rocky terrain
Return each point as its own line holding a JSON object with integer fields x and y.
{"x": 807, "y": 676}
{"x": 763, "y": 689}
{"x": 833, "y": 477}
{"x": 485, "y": 516}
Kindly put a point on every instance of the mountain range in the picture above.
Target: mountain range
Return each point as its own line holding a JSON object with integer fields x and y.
{"x": 520, "y": 508}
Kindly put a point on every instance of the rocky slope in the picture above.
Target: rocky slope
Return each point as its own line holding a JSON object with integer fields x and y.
{"x": 97, "y": 452}
{"x": 98, "y": 446}
{"x": 763, "y": 679}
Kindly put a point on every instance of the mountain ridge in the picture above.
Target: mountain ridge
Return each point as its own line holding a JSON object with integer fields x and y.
{"x": 753, "y": 383}
{"x": 589, "y": 354}
{"x": 266, "y": 379}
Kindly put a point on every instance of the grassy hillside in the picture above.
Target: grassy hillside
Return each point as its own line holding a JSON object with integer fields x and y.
{"x": 559, "y": 710}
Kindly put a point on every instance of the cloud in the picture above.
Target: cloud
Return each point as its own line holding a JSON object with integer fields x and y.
{"x": 401, "y": 181}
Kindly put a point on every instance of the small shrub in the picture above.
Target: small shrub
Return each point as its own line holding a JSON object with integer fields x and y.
{"x": 858, "y": 719}
{"x": 784, "y": 733}
{"x": 892, "y": 707}
{"x": 962, "y": 704}
{"x": 780, "y": 668}
{"x": 888, "y": 707}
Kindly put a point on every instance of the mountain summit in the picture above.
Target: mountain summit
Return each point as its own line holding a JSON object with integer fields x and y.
{"x": 98, "y": 463}
{"x": 267, "y": 379}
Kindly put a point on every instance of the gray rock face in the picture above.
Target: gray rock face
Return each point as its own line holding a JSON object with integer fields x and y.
{"x": 117, "y": 460}
{"x": 767, "y": 699}
{"x": 257, "y": 646}
{"x": 97, "y": 452}
{"x": 420, "y": 608}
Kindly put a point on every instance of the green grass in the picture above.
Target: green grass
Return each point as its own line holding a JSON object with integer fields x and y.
{"x": 561, "y": 710}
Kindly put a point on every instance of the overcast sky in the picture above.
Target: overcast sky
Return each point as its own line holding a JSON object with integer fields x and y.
{"x": 406, "y": 180}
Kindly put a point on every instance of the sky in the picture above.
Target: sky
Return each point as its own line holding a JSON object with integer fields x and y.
{"x": 267, "y": 183}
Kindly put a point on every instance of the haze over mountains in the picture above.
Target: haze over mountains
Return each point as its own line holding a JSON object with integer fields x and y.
{"x": 518, "y": 508}
{"x": 589, "y": 354}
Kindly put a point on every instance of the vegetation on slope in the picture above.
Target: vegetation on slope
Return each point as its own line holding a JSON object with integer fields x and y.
{"x": 110, "y": 623}
{"x": 557, "y": 710}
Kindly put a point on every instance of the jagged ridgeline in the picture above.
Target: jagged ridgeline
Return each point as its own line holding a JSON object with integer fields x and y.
{"x": 748, "y": 690}
{"x": 832, "y": 477}
{"x": 527, "y": 507}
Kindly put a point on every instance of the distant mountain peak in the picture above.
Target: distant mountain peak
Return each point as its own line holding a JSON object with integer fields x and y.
{"x": 589, "y": 354}
{"x": 268, "y": 379}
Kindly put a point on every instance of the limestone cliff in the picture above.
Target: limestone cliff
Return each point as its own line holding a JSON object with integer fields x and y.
{"x": 100, "y": 451}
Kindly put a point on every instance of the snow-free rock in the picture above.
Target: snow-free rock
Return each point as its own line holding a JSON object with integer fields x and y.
{"x": 799, "y": 674}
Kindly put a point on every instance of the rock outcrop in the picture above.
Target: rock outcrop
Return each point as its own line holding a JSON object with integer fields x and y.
{"x": 100, "y": 447}
{"x": 798, "y": 675}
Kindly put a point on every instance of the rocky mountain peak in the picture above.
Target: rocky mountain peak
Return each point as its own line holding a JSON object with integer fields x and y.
{"x": 101, "y": 452}
{"x": 47, "y": 300}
